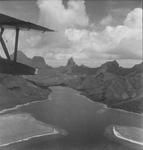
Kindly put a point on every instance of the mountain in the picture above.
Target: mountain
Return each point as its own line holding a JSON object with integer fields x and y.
{"x": 108, "y": 88}
{"x": 72, "y": 68}
{"x": 22, "y": 58}
{"x": 71, "y": 63}
{"x": 15, "y": 90}
{"x": 36, "y": 61}
{"x": 110, "y": 83}
{"x": 111, "y": 66}
{"x": 137, "y": 68}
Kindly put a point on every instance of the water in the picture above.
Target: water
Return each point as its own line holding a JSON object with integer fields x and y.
{"x": 85, "y": 122}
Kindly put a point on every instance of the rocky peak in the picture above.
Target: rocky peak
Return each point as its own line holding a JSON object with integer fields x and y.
{"x": 22, "y": 58}
{"x": 110, "y": 66}
{"x": 138, "y": 67}
{"x": 71, "y": 63}
{"x": 38, "y": 61}
{"x": 20, "y": 55}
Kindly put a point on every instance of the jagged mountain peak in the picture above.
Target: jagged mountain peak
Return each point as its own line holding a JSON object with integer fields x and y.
{"x": 71, "y": 62}
{"x": 110, "y": 66}
{"x": 20, "y": 55}
{"x": 38, "y": 60}
{"x": 138, "y": 66}
{"x": 111, "y": 63}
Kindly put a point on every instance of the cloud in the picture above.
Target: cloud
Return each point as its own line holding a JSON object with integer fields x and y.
{"x": 122, "y": 42}
{"x": 134, "y": 19}
{"x": 75, "y": 37}
{"x": 107, "y": 20}
{"x": 119, "y": 42}
{"x": 54, "y": 14}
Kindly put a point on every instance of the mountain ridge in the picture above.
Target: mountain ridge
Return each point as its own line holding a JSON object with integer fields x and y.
{"x": 110, "y": 83}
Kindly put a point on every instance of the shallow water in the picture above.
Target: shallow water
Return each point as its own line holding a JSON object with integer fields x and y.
{"x": 85, "y": 122}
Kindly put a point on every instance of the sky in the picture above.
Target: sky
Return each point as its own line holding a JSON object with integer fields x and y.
{"x": 90, "y": 31}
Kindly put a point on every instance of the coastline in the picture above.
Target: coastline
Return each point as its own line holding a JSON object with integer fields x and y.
{"x": 118, "y": 135}
{"x": 19, "y": 106}
{"x": 29, "y": 138}
{"x": 126, "y": 136}
{"x": 34, "y": 128}
{"x": 82, "y": 93}
{"x": 106, "y": 106}
{"x": 76, "y": 93}
{"x": 79, "y": 93}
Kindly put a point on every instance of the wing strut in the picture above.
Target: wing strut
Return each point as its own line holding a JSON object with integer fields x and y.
{"x": 4, "y": 45}
{"x": 16, "y": 44}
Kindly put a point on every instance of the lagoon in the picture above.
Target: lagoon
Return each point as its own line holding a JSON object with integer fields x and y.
{"x": 83, "y": 120}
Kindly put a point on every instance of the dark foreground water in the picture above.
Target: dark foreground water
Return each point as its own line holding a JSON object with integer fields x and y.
{"x": 85, "y": 122}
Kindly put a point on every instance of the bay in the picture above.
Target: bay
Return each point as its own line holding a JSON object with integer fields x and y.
{"x": 84, "y": 121}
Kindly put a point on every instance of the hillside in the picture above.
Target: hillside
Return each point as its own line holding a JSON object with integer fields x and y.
{"x": 15, "y": 90}
{"x": 110, "y": 83}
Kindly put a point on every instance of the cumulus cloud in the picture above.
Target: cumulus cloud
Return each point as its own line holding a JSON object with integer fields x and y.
{"x": 119, "y": 42}
{"x": 122, "y": 42}
{"x": 75, "y": 39}
{"x": 54, "y": 14}
{"x": 107, "y": 20}
{"x": 27, "y": 40}
{"x": 134, "y": 19}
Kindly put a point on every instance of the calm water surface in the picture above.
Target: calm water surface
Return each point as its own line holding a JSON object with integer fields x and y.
{"x": 84, "y": 121}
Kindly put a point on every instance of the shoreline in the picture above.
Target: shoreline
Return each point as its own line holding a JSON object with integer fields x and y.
{"x": 79, "y": 93}
{"x": 105, "y": 105}
{"x": 52, "y": 133}
{"x": 21, "y": 105}
{"x": 125, "y": 111}
{"x": 118, "y": 135}
{"x": 29, "y": 138}
{"x": 43, "y": 128}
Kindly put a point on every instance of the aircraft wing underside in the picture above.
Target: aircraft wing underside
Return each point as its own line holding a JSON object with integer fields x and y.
{"x": 11, "y": 22}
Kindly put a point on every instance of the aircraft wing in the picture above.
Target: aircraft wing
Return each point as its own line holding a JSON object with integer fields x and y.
{"x": 13, "y": 23}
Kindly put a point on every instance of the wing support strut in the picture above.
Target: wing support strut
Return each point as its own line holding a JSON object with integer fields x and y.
{"x": 4, "y": 45}
{"x": 16, "y": 44}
